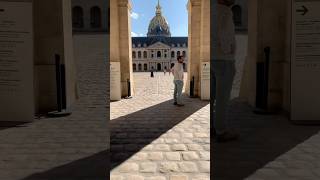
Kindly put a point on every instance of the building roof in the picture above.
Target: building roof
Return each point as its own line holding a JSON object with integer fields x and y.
{"x": 166, "y": 40}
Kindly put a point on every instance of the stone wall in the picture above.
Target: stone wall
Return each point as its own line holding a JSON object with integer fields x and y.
{"x": 268, "y": 26}
{"x": 86, "y": 5}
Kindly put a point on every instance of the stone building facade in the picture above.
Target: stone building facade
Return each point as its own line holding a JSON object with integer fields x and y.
{"x": 158, "y": 51}
{"x": 159, "y": 55}
{"x": 90, "y": 16}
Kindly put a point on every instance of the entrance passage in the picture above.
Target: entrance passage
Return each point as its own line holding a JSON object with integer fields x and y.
{"x": 159, "y": 67}
{"x": 152, "y": 138}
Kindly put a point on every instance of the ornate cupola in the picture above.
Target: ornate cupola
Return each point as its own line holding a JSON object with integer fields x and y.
{"x": 158, "y": 25}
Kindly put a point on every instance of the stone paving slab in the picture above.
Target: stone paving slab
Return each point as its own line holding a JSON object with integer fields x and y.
{"x": 153, "y": 139}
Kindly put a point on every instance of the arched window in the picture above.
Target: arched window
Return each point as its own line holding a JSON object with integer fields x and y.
{"x": 77, "y": 17}
{"x": 178, "y": 53}
{"x": 184, "y": 54}
{"x": 134, "y": 67}
{"x": 237, "y": 15}
{"x": 159, "y": 54}
{"x": 139, "y": 54}
{"x": 172, "y": 54}
{"x": 140, "y": 67}
{"x": 133, "y": 54}
{"x": 145, "y": 55}
{"x": 145, "y": 67}
{"x": 95, "y": 17}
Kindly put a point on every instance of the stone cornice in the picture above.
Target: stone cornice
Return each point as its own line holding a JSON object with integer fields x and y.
{"x": 125, "y": 3}
{"x": 195, "y": 2}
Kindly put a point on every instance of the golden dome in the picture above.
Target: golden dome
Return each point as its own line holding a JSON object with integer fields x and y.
{"x": 158, "y": 25}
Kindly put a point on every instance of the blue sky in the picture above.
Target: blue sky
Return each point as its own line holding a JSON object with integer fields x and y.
{"x": 175, "y": 11}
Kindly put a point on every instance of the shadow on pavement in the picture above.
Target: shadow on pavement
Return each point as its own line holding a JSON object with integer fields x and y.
{"x": 132, "y": 132}
{"x": 95, "y": 167}
{"x": 8, "y": 124}
{"x": 262, "y": 139}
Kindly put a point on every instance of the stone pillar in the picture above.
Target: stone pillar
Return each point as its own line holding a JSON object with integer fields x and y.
{"x": 194, "y": 28}
{"x": 125, "y": 45}
{"x": 114, "y": 32}
{"x": 204, "y": 36}
{"x": 120, "y": 38}
{"x": 267, "y": 27}
{"x": 53, "y": 35}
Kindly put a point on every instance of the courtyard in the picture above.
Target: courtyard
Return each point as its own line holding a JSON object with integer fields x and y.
{"x": 153, "y": 139}
{"x": 150, "y": 137}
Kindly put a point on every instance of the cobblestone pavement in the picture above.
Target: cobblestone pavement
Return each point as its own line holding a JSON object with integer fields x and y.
{"x": 268, "y": 142}
{"x": 152, "y": 139}
{"x": 68, "y": 148}
{"x": 299, "y": 163}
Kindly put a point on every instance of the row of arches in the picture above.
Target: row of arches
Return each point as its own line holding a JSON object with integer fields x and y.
{"x": 138, "y": 54}
{"x": 145, "y": 67}
{"x": 172, "y": 45}
{"x": 78, "y": 17}
{"x": 159, "y": 67}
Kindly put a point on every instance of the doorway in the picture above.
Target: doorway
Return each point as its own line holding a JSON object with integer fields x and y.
{"x": 159, "y": 67}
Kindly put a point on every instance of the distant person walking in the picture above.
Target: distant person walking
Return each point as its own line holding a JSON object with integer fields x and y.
{"x": 172, "y": 64}
{"x": 224, "y": 70}
{"x": 164, "y": 71}
{"x": 152, "y": 75}
{"x": 177, "y": 71}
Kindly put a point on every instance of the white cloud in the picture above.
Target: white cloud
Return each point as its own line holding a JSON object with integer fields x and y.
{"x": 134, "y": 15}
{"x": 133, "y": 34}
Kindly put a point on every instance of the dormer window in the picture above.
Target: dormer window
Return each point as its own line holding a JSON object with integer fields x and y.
{"x": 133, "y": 45}
{"x": 144, "y": 45}
{"x": 139, "y": 45}
{"x": 172, "y": 45}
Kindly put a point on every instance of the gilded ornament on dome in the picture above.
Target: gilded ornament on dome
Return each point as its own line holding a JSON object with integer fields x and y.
{"x": 158, "y": 25}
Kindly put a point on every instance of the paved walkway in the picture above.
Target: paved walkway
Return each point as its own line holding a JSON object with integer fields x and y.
{"x": 152, "y": 139}
{"x": 300, "y": 163}
{"x": 69, "y": 148}
{"x": 264, "y": 138}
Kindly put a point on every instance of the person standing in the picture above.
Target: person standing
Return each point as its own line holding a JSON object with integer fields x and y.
{"x": 224, "y": 70}
{"x": 178, "y": 74}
